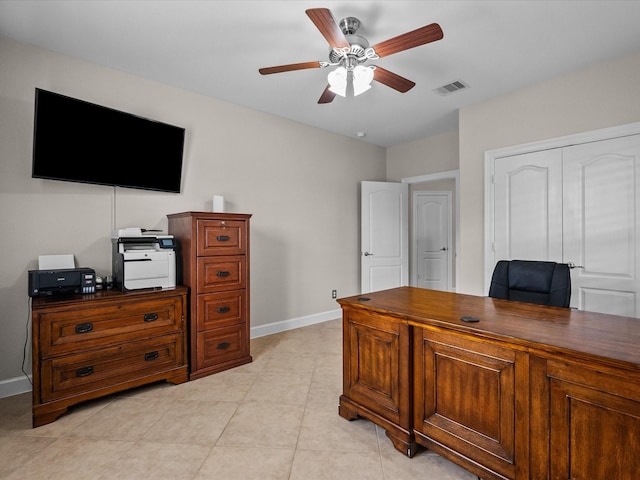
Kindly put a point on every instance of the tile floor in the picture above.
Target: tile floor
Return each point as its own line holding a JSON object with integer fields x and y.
{"x": 275, "y": 418}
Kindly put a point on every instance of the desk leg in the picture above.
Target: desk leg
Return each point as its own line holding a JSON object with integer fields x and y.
{"x": 402, "y": 440}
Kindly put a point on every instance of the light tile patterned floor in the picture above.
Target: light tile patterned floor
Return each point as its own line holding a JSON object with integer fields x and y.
{"x": 276, "y": 418}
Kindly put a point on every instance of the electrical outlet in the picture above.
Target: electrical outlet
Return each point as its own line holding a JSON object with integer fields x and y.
{"x": 334, "y": 294}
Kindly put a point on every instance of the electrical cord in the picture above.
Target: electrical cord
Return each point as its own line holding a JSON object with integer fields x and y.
{"x": 26, "y": 342}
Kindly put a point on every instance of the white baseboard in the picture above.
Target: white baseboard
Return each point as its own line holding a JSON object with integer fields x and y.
{"x": 293, "y": 323}
{"x": 14, "y": 386}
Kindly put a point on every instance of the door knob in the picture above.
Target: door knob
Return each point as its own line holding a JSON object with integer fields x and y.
{"x": 366, "y": 254}
{"x": 443, "y": 249}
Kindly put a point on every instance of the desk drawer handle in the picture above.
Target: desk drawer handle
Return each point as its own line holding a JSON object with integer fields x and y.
{"x": 222, "y": 309}
{"x": 222, "y": 274}
{"x": 84, "y": 371}
{"x": 151, "y": 356}
{"x": 84, "y": 327}
{"x": 223, "y": 238}
{"x": 150, "y": 317}
{"x": 223, "y": 345}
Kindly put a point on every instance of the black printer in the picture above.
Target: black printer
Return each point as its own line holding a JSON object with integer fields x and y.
{"x": 65, "y": 280}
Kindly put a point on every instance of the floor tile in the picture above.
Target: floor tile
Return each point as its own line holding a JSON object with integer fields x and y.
{"x": 328, "y": 431}
{"x": 320, "y": 465}
{"x": 401, "y": 467}
{"x": 281, "y": 388}
{"x": 192, "y": 422}
{"x": 229, "y": 386}
{"x": 72, "y": 459}
{"x": 240, "y": 463}
{"x": 261, "y": 424}
{"x": 149, "y": 460}
{"x": 125, "y": 419}
{"x": 16, "y": 451}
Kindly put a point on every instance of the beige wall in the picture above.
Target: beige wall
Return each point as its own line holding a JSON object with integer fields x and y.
{"x": 435, "y": 154}
{"x": 301, "y": 184}
{"x": 600, "y": 96}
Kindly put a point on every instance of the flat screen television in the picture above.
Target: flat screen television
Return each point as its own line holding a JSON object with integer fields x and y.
{"x": 78, "y": 141}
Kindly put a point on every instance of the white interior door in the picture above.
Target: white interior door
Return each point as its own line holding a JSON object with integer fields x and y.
{"x": 384, "y": 235}
{"x": 601, "y": 218}
{"x": 528, "y": 207}
{"x": 432, "y": 233}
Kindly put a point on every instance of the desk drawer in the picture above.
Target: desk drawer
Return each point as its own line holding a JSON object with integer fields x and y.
{"x": 217, "y": 310}
{"x": 74, "y": 374}
{"x": 219, "y": 274}
{"x": 221, "y": 237}
{"x": 106, "y": 323}
{"x": 222, "y": 345}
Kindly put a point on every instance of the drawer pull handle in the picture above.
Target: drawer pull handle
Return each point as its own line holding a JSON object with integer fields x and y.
{"x": 222, "y": 274}
{"x": 151, "y": 356}
{"x": 222, "y": 309}
{"x": 223, "y": 345}
{"x": 84, "y": 327}
{"x": 223, "y": 238}
{"x": 150, "y": 317}
{"x": 84, "y": 371}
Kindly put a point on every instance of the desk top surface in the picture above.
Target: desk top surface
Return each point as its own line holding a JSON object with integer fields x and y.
{"x": 609, "y": 337}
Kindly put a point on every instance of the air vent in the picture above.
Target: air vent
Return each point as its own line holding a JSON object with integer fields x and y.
{"x": 452, "y": 87}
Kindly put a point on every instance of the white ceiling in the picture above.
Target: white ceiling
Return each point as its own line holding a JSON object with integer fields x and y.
{"x": 216, "y": 47}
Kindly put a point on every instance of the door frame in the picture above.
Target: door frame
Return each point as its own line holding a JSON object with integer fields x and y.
{"x": 559, "y": 142}
{"x": 451, "y": 174}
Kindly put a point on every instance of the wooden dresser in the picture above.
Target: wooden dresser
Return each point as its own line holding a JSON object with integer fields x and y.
{"x": 88, "y": 346}
{"x": 528, "y": 392}
{"x": 214, "y": 262}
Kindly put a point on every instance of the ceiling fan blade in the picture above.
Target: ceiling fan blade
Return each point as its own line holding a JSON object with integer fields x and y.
{"x": 415, "y": 38}
{"x": 324, "y": 21}
{"x": 392, "y": 80}
{"x": 327, "y": 96}
{"x": 289, "y": 68}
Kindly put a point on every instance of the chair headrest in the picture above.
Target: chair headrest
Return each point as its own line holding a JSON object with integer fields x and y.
{"x": 530, "y": 275}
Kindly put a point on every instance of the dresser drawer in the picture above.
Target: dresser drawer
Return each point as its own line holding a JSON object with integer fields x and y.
{"x": 218, "y": 274}
{"x": 222, "y": 345}
{"x": 217, "y": 310}
{"x": 97, "y": 324}
{"x": 221, "y": 237}
{"x": 74, "y": 374}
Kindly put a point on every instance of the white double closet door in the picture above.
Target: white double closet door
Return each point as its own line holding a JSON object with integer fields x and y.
{"x": 578, "y": 204}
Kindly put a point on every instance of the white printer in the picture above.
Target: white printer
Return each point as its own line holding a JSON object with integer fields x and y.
{"x": 143, "y": 259}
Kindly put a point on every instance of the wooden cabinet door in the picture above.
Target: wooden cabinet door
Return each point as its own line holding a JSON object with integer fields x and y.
{"x": 594, "y": 424}
{"x": 377, "y": 366}
{"x": 467, "y": 394}
{"x": 376, "y": 374}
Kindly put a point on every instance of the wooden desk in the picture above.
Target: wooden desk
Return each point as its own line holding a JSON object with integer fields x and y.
{"x": 528, "y": 392}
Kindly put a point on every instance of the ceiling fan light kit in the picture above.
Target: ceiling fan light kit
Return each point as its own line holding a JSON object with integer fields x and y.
{"x": 349, "y": 51}
{"x": 360, "y": 76}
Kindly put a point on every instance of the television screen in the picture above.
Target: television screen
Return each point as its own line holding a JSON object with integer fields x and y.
{"x": 78, "y": 141}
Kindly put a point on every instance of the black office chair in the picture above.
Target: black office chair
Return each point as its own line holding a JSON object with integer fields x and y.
{"x": 544, "y": 283}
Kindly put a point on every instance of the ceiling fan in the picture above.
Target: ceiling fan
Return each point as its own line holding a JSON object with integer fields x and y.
{"x": 349, "y": 52}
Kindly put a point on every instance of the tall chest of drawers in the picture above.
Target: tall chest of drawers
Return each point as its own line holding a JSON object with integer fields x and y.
{"x": 89, "y": 346}
{"x": 214, "y": 258}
